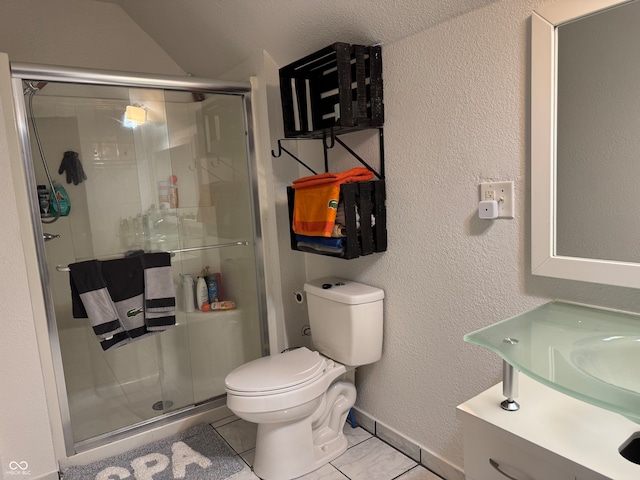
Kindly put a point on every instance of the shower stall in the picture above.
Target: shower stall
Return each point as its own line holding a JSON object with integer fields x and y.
{"x": 169, "y": 167}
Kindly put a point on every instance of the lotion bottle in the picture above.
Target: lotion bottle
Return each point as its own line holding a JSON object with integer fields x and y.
{"x": 187, "y": 293}
{"x": 202, "y": 292}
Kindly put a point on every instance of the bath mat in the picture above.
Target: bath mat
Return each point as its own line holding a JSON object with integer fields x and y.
{"x": 196, "y": 454}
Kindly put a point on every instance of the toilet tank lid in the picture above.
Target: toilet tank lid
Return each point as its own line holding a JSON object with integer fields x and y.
{"x": 343, "y": 291}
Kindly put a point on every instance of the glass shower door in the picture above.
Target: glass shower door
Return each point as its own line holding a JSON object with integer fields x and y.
{"x": 179, "y": 181}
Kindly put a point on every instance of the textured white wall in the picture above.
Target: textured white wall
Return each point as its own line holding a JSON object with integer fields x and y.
{"x": 208, "y": 38}
{"x": 74, "y": 33}
{"x": 79, "y": 33}
{"x": 25, "y": 435}
{"x": 457, "y": 113}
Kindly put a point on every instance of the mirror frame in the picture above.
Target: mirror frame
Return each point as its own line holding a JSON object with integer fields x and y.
{"x": 544, "y": 261}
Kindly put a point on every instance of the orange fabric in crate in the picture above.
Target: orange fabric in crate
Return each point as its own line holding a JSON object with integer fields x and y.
{"x": 360, "y": 174}
{"x": 316, "y": 200}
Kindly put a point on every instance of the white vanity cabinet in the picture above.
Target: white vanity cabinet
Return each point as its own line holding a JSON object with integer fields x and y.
{"x": 491, "y": 453}
{"x": 551, "y": 437}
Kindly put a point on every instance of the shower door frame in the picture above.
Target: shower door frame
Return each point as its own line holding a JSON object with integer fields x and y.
{"x": 53, "y": 73}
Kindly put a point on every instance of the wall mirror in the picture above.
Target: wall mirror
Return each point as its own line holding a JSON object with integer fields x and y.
{"x": 585, "y": 141}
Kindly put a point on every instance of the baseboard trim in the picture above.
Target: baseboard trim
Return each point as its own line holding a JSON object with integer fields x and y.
{"x": 434, "y": 462}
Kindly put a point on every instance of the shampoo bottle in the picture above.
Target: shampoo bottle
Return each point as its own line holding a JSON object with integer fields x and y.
{"x": 187, "y": 293}
{"x": 202, "y": 292}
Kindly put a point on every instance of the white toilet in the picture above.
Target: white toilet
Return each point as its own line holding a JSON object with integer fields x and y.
{"x": 296, "y": 397}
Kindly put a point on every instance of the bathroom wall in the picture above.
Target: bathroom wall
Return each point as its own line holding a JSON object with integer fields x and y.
{"x": 457, "y": 114}
{"x": 79, "y": 33}
{"x": 75, "y": 33}
{"x": 457, "y": 110}
{"x": 26, "y": 436}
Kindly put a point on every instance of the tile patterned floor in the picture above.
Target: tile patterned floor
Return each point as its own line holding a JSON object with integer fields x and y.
{"x": 367, "y": 458}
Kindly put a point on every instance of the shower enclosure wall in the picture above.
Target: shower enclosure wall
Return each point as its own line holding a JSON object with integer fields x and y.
{"x": 182, "y": 181}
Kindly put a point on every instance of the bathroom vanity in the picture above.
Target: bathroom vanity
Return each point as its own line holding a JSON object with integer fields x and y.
{"x": 578, "y": 404}
{"x": 552, "y": 437}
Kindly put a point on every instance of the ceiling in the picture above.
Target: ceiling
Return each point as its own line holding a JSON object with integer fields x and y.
{"x": 209, "y": 37}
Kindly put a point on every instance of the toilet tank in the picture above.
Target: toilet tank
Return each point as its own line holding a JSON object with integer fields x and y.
{"x": 345, "y": 319}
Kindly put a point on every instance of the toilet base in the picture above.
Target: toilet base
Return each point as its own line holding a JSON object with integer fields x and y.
{"x": 288, "y": 450}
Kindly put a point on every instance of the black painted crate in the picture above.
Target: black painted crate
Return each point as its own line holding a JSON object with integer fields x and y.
{"x": 338, "y": 88}
{"x": 367, "y": 199}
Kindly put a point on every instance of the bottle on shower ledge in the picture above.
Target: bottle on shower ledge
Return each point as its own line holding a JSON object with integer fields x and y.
{"x": 173, "y": 192}
{"x": 44, "y": 200}
{"x": 60, "y": 194}
{"x": 202, "y": 293}
{"x": 188, "y": 293}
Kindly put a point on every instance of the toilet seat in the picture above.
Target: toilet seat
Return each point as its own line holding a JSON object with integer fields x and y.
{"x": 276, "y": 374}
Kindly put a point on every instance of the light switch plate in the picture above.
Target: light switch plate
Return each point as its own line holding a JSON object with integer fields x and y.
{"x": 502, "y": 192}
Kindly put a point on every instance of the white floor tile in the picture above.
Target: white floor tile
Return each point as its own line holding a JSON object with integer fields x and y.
{"x": 373, "y": 460}
{"x": 419, "y": 473}
{"x": 245, "y": 474}
{"x": 224, "y": 421}
{"x": 328, "y": 472}
{"x": 367, "y": 458}
{"x": 241, "y": 435}
{"x": 249, "y": 456}
{"x": 355, "y": 435}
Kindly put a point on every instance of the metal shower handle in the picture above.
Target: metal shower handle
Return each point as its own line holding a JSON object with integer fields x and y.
{"x": 49, "y": 236}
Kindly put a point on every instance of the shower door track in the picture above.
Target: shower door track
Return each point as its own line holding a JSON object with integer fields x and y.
{"x": 53, "y": 73}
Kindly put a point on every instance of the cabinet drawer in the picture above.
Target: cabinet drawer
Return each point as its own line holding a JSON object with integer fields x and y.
{"x": 491, "y": 453}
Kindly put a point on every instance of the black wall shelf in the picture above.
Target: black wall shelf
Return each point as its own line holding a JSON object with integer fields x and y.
{"x": 365, "y": 216}
{"x": 364, "y": 203}
{"x": 338, "y": 89}
{"x": 325, "y": 95}
{"x": 334, "y": 139}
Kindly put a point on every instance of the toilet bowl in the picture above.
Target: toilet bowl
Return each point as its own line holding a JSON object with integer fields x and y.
{"x": 300, "y": 407}
{"x": 299, "y": 398}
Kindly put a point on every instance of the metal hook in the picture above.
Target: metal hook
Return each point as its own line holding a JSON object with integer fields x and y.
{"x": 332, "y": 137}
{"x": 282, "y": 149}
{"x": 273, "y": 153}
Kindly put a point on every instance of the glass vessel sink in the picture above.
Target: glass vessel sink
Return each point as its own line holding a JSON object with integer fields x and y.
{"x": 589, "y": 353}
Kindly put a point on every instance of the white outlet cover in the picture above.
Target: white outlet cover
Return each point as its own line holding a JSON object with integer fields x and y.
{"x": 503, "y": 195}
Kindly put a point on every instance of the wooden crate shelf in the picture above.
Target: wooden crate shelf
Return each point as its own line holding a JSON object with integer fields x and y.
{"x": 338, "y": 88}
{"x": 364, "y": 235}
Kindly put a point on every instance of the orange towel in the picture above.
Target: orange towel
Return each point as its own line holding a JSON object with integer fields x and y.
{"x": 316, "y": 200}
{"x": 354, "y": 175}
{"x": 314, "y": 210}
